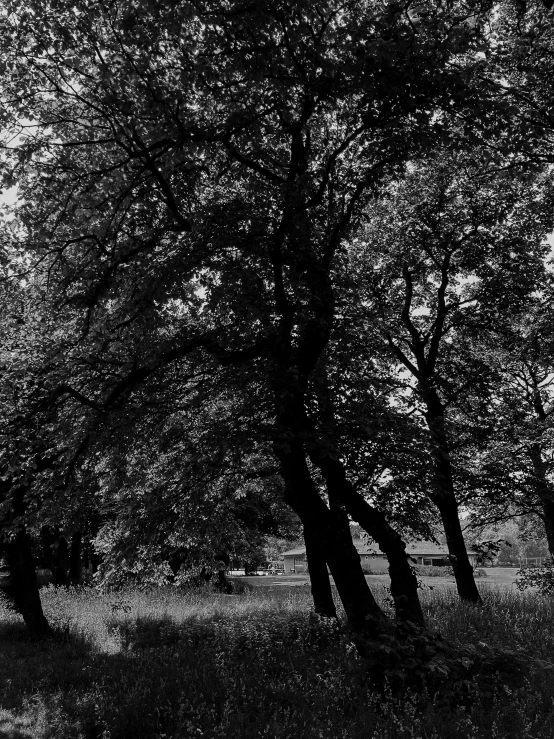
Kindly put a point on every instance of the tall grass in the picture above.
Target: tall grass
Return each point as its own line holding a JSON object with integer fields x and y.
{"x": 169, "y": 664}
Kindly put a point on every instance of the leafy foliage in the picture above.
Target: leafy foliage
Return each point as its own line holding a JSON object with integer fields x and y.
{"x": 281, "y": 231}
{"x": 541, "y": 578}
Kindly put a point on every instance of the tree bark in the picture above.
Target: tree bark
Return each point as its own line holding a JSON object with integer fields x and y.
{"x": 362, "y": 611}
{"x": 548, "y": 519}
{"x": 23, "y": 591}
{"x": 320, "y": 582}
{"x": 341, "y": 492}
{"x": 463, "y": 571}
{"x": 75, "y": 566}
{"x": 540, "y": 467}
{"x": 425, "y": 349}
{"x": 54, "y": 547}
{"x": 545, "y": 491}
{"x": 17, "y": 551}
{"x": 443, "y": 496}
{"x": 374, "y": 523}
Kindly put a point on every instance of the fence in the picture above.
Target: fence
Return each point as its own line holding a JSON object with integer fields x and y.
{"x": 524, "y": 562}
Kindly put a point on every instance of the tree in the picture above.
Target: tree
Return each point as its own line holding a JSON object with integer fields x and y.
{"x": 518, "y": 75}
{"x": 210, "y": 163}
{"x": 516, "y": 465}
{"x": 22, "y": 452}
{"x": 185, "y": 490}
{"x": 458, "y": 244}
{"x": 506, "y": 543}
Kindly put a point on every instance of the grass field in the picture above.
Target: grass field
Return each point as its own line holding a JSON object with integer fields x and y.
{"x": 500, "y": 577}
{"x": 166, "y": 664}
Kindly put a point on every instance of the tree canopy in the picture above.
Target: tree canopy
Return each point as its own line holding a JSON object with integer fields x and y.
{"x": 263, "y": 248}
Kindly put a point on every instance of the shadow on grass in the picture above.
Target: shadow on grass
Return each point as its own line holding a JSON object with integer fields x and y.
{"x": 244, "y": 673}
{"x": 178, "y": 679}
{"x": 28, "y": 664}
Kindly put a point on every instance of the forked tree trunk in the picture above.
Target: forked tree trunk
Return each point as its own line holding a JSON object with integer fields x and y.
{"x": 404, "y": 588}
{"x": 362, "y": 611}
{"x": 23, "y": 590}
{"x": 320, "y": 582}
{"x": 403, "y": 580}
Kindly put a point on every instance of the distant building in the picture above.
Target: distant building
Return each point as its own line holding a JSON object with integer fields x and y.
{"x": 295, "y": 561}
{"x": 373, "y": 559}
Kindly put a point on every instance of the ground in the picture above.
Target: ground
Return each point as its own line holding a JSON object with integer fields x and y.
{"x": 495, "y": 576}
{"x": 183, "y": 664}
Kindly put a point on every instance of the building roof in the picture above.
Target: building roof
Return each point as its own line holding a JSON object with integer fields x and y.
{"x": 293, "y": 552}
{"x": 414, "y": 549}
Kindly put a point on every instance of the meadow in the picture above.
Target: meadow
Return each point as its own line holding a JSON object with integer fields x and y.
{"x": 168, "y": 664}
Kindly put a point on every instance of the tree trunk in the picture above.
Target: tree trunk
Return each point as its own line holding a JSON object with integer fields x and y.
{"x": 23, "y": 590}
{"x": 362, "y": 611}
{"x": 403, "y": 579}
{"x": 223, "y": 584}
{"x": 250, "y": 567}
{"x": 545, "y": 490}
{"x": 54, "y": 547}
{"x": 17, "y": 551}
{"x": 548, "y": 518}
{"x": 319, "y": 576}
{"x": 341, "y": 492}
{"x": 443, "y": 496}
{"x": 463, "y": 571}
{"x": 75, "y": 567}
{"x": 94, "y": 560}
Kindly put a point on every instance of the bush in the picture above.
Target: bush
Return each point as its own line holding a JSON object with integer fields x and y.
{"x": 541, "y": 578}
{"x": 433, "y": 571}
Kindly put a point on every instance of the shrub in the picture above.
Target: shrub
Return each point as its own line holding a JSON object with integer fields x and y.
{"x": 433, "y": 571}
{"x": 541, "y": 578}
